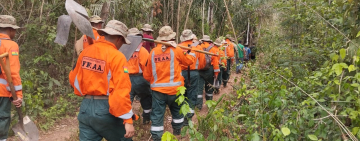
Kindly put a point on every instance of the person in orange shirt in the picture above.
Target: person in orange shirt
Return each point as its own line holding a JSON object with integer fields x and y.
{"x": 223, "y": 65}
{"x": 101, "y": 77}
{"x": 139, "y": 86}
{"x": 229, "y": 52}
{"x": 163, "y": 71}
{"x": 190, "y": 73}
{"x": 7, "y": 33}
{"x": 208, "y": 72}
{"x": 96, "y": 23}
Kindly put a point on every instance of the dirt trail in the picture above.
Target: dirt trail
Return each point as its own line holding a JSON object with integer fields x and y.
{"x": 67, "y": 128}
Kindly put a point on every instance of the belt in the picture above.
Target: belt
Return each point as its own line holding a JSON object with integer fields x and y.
{"x": 136, "y": 74}
{"x": 96, "y": 97}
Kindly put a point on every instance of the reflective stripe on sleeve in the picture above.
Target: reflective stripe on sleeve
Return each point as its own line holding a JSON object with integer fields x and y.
{"x": 192, "y": 54}
{"x": 192, "y": 111}
{"x": 140, "y": 70}
{"x": 217, "y": 70}
{"x": 3, "y": 81}
{"x": 157, "y": 128}
{"x": 172, "y": 66}
{"x": 147, "y": 111}
{"x": 127, "y": 115}
{"x": 17, "y": 88}
{"x": 153, "y": 65}
{"x": 200, "y": 96}
{"x": 209, "y": 94}
{"x": 178, "y": 120}
{"x": 77, "y": 85}
{"x": 108, "y": 78}
{"x": 197, "y": 64}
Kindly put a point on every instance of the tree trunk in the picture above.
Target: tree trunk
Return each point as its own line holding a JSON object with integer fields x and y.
{"x": 151, "y": 15}
{"x": 211, "y": 6}
{"x": 203, "y": 16}
{"x": 188, "y": 12}
{"x": 178, "y": 22}
{"x": 232, "y": 26}
{"x": 172, "y": 13}
{"x": 164, "y": 12}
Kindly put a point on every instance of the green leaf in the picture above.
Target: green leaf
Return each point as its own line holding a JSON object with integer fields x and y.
{"x": 337, "y": 68}
{"x": 56, "y": 82}
{"x": 358, "y": 34}
{"x": 210, "y": 103}
{"x": 167, "y": 136}
{"x": 255, "y": 137}
{"x": 181, "y": 90}
{"x": 344, "y": 65}
{"x": 313, "y": 137}
{"x": 283, "y": 87}
{"x": 351, "y": 68}
{"x": 334, "y": 57}
{"x": 342, "y": 53}
{"x": 285, "y": 131}
{"x": 355, "y": 84}
{"x": 184, "y": 109}
{"x": 180, "y": 99}
{"x": 356, "y": 58}
{"x": 355, "y": 130}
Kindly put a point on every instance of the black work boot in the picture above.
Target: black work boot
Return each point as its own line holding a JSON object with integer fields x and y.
{"x": 176, "y": 131}
{"x": 146, "y": 118}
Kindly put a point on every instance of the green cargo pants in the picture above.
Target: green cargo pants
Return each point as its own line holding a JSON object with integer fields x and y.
{"x": 141, "y": 88}
{"x": 219, "y": 79}
{"x": 96, "y": 123}
{"x": 5, "y": 119}
{"x": 192, "y": 90}
{"x": 159, "y": 102}
{"x": 207, "y": 79}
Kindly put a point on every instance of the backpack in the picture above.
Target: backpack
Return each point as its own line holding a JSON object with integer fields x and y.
{"x": 207, "y": 58}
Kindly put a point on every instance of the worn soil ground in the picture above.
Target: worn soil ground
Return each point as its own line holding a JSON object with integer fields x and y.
{"x": 67, "y": 128}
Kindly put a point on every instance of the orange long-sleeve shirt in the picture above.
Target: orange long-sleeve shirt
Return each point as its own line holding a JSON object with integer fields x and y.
{"x": 195, "y": 65}
{"x": 97, "y": 38}
{"x": 11, "y": 47}
{"x": 230, "y": 49}
{"x": 163, "y": 69}
{"x": 137, "y": 62}
{"x": 101, "y": 71}
{"x": 214, "y": 59}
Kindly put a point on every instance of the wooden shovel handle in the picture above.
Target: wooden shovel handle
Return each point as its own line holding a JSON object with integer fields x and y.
{"x": 183, "y": 47}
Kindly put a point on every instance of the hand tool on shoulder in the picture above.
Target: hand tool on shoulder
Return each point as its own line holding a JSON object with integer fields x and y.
{"x": 183, "y": 47}
{"x": 25, "y": 129}
{"x": 78, "y": 15}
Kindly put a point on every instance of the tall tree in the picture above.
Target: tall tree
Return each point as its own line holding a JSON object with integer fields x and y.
{"x": 188, "y": 12}
{"x": 178, "y": 21}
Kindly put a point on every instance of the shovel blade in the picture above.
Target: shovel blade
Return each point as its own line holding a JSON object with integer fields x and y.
{"x": 80, "y": 17}
{"x": 128, "y": 50}
{"x": 63, "y": 29}
{"x": 30, "y": 131}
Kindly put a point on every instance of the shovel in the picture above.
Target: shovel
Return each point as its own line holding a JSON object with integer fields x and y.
{"x": 77, "y": 15}
{"x": 25, "y": 129}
